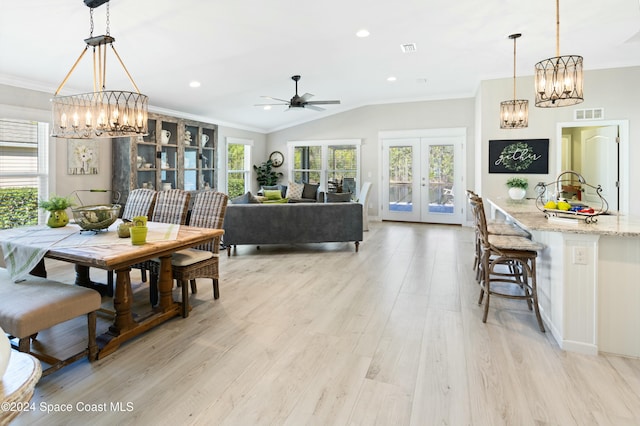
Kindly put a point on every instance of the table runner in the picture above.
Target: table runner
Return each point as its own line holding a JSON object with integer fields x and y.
{"x": 24, "y": 247}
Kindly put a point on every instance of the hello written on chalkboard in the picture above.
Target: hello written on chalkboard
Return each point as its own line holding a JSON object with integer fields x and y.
{"x": 519, "y": 156}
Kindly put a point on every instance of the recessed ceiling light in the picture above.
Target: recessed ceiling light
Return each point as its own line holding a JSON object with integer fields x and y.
{"x": 362, "y": 33}
{"x": 391, "y": 78}
{"x": 194, "y": 84}
{"x": 267, "y": 107}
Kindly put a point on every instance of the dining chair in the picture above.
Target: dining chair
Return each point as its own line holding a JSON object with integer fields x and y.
{"x": 139, "y": 203}
{"x": 202, "y": 261}
{"x": 171, "y": 206}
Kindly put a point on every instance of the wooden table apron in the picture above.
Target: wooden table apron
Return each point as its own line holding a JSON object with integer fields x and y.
{"x": 120, "y": 259}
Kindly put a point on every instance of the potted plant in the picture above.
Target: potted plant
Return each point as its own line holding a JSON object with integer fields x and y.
{"x": 56, "y": 206}
{"x": 517, "y": 187}
{"x": 265, "y": 174}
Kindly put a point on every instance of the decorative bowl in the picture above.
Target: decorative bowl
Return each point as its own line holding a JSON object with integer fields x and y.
{"x": 96, "y": 217}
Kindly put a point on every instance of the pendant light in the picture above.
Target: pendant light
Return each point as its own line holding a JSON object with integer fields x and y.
{"x": 101, "y": 113}
{"x": 558, "y": 80}
{"x": 514, "y": 114}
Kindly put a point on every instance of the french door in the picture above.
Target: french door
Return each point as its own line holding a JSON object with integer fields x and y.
{"x": 422, "y": 179}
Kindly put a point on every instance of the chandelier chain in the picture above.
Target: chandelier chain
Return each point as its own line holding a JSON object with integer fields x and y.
{"x": 91, "y": 20}
{"x": 108, "y": 22}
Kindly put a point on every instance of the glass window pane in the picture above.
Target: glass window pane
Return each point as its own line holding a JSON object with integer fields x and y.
{"x": 235, "y": 157}
{"x": 307, "y": 157}
{"x": 400, "y": 178}
{"x": 236, "y": 184}
{"x": 19, "y": 204}
{"x": 441, "y": 179}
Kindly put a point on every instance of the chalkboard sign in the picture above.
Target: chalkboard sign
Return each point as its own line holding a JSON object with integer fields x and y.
{"x": 530, "y": 156}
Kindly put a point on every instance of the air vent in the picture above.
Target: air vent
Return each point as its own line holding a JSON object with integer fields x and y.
{"x": 409, "y": 47}
{"x": 589, "y": 114}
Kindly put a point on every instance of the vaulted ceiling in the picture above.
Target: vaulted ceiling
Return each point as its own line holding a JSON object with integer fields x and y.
{"x": 244, "y": 49}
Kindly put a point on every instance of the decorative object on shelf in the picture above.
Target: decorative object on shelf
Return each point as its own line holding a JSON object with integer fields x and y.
{"x": 166, "y": 186}
{"x": 101, "y": 113}
{"x": 265, "y": 173}
{"x": 187, "y": 138}
{"x": 57, "y": 206}
{"x": 165, "y": 135}
{"x": 514, "y": 114}
{"x": 83, "y": 157}
{"x": 559, "y": 80}
{"x": 5, "y": 352}
{"x": 276, "y": 158}
{"x": 569, "y": 211}
{"x": 517, "y": 187}
{"x": 204, "y": 139}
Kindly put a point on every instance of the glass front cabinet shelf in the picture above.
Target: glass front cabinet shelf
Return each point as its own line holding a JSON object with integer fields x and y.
{"x": 176, "y": 153}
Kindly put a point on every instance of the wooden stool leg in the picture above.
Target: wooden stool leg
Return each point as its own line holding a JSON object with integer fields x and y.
{"x": 534, "y": 292}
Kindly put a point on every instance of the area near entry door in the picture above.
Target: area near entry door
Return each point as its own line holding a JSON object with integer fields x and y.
{"x": 422, "y": 179}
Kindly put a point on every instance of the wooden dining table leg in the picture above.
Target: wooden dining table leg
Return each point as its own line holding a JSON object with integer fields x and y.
{"x": 165, "y": 284}
{"x": 122, "y": 300}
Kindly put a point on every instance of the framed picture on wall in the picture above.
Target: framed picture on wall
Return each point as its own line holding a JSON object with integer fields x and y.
{"x": 83, "y": 157}
{"x": 530, "y": 156}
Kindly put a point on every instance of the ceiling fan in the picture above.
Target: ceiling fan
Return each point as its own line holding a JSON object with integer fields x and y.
{"x": 300, "y": 101}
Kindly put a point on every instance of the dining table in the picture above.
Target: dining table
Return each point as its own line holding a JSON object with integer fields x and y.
{"x": 24, "y": 247}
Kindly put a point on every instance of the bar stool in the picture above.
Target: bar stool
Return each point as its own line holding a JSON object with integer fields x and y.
{"x": 505, "y": 259}
{"x": 494, "y": 228}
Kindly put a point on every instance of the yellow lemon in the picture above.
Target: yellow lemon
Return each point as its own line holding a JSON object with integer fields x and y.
{"x": 563, "y": 205}
{"x": 550, "y": 205}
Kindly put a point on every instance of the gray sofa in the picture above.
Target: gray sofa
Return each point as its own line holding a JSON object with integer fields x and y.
{"x": 260, "y": 224}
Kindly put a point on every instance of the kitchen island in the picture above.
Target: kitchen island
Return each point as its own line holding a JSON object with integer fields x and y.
{"x": 588, "y": 277}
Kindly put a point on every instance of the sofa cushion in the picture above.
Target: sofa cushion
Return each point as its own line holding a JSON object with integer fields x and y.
{"x": 282, "y": 188}
{"x": 310, "y": 191}
{"x": 247, "y": 198}
{"x": 273, "y": 194}
{"x": 295, "y": 190}
{"x": 339, "y": 197}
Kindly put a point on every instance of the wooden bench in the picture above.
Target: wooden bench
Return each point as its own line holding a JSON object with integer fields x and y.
{"x": 36, "y": 304}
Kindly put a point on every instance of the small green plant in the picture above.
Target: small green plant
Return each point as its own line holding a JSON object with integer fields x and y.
{"x": 516, "y": 182}
{"x": 56, "y": 203}
{"x": 265, "y": 174}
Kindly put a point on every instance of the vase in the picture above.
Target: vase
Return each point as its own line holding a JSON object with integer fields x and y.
{"x": 5, "y": 352}
{"x": 517, "y": 193}
{"x": 57, "y": 219}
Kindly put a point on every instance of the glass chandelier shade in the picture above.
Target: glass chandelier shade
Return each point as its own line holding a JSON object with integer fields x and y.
{"x": 559, "y": 80}
{"x": 101, "y": 113}
{"x": 514, "y": 114}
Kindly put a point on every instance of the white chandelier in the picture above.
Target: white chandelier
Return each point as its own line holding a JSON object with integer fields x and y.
{"x": 102, "y": 113}
{"x": 514, "y": 114}
{"x": 558, "y": 80}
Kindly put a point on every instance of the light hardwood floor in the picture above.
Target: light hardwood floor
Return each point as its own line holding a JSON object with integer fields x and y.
{"x": 321, "y": 335}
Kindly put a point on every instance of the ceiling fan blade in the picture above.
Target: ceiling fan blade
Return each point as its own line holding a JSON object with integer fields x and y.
{"x": 323, "y": 102}
{"x": 275, "y": 99}
{"x": 313, "y": 107}
{"x": 268, "y": 104}
{"x": 306, "y": 96}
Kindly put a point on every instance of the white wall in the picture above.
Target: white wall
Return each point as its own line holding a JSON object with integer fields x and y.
{"x": 616, "y": 90}
{"x": 365, "y": 123}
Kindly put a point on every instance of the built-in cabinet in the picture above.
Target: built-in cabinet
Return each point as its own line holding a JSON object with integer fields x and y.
{"x": 176, "y": 153}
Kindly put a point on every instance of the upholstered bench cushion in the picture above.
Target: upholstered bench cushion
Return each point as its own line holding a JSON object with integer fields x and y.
{"x": 37, "y": 304}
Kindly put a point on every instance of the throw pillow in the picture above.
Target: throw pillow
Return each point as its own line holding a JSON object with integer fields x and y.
{"x": 242, "y": 199}
{"x": 295, "y": 190}
{"x": 282, "y": 188}
{"x": 273, "y": 194}
{"x": 340, "y": 197}
{"x": 310, "y": 191}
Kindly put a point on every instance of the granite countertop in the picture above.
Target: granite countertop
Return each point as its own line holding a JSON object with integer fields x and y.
{"x": 526, "y": 215}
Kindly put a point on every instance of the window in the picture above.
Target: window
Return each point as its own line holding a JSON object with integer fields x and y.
{"x": 238, "y": 166}
{"x": 335, "y": 165}
{"x": 23, "y": 171}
